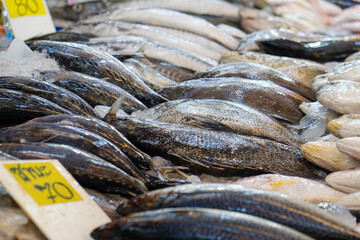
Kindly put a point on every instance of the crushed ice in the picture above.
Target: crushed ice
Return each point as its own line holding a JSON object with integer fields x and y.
{"x": 19, "y": 60}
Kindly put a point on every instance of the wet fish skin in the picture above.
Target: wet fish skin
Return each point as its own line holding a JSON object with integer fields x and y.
{"x": 72, "y": 136}
{"x": 272, "y": 206}
{"x": 65, "y": 36}
{"x": 103, "y": 129}
{"x": 79, "y": 57}
{"x": 16, "y": 106}
{"x": 56, "y": 94}
{"x": 351, "y": 201}
{"x": 326, "y": 155}
{"x": 347, "y": 181}
{"x": 194, "y": 223}
{"x": 213, "y": 151}
{"x": 266, "y": 96}
{"x": 300, "y": 69}
{"x": 221, "y": 115}
{"x": 95, "y": 91}
{"x": 87, "y": 168}
{"x": 350, "y": 147}
{"x": 6, "y": 156}
{"x": 256, "y": 71}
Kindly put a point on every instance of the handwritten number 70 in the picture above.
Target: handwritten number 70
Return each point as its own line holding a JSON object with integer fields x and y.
{"x": 57, "y": 189}
{"x": 23, "y": 6}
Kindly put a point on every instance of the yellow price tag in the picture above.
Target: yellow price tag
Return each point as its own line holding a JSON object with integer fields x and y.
{"x": 25, "y": 8}
{"x": 43, "y": 182}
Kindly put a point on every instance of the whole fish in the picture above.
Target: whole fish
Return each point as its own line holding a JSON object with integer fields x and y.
{"x": 256, "y": 71}
{"x": 213, "y": 151}
{"x": 346, "y": 181}
{"x": 300, "y": 69}
{"x": 172, "y": 71}
{"x": 103, "y": 129}
{"x": 194, "y": 223}
{"x": 350, "y": 146}
{"x": 340, "y": 96}
{"x": 221, "y": 115}
{"x": 335, "y": 125}
{"x": 326, "y": 155}
{"x": 16, "y": 106}
{"x": 79, "y": 57}
{"x": 351, "y": 201}
{"x": 201, "y": 7}
{"x": 323, "y": 50}
{"x": 266, "y": 96}
{"x": 171, "y": 19}
{"x": 56, "y": 94}
{"x": 154, "y": 50}
{"x": 95, "y": 91}
{"x": 71, "y": 136}
{"x": 299, "y": 188}
{"x": 88, "y": 169}
{"x": 272, "y": 206}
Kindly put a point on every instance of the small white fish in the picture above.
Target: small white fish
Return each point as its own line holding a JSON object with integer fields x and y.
{"x": 296, "y": 187}
{"x": 346, "y": 181}
{"x": 351, "y": 129}
{"x": 350, "y": 146}
{"x": 326, "y": 155}
{"x": 351, "y": 201}
{"x": 335, "y": 125}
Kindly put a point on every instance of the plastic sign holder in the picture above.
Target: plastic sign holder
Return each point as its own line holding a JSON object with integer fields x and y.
{"x": 52, "y": 198}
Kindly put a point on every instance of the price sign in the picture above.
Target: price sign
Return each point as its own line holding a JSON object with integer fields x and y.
{"x": 52, "y": 198}
{"x": 43, "y": 182}
{"x": 29, "y": 18}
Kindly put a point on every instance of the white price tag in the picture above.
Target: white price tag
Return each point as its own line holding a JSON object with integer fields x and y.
{"x": 52, "y": 198}
{"x": 29, "y": 18}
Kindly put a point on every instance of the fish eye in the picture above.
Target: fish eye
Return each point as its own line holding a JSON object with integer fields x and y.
{"x": 78, "y": 7}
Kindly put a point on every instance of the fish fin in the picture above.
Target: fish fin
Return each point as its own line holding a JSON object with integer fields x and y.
{"x": 194, "y": 161}
{"x": 208, "y": 123}
{"x": 111, "y": 114}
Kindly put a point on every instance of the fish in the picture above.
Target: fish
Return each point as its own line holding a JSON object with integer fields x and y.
{"x": 103, "y": 129}
{"x": 56, "y": 94}
{"x": 234, "y": 31}
{"x": 326, "y": 155}
{"x": 346, "y": 181}
{"x": 150, "y": 76}
{"x": 169, "y": 70}
{"x": 172, "y": 19}
{"x": 200, "y": 7}
{"x": 221, "y": 115}
{"x": 88, "y": 169}
{"x": 301, "y": 69}
{"x": 257, "y": 72}
{"x": 340, "y": 96}
{"x": 353, "y": 57}
{"x": 18, "y": 107}
{"x": 351, "y": 201}
{"x": 151, "y": 49}
{"x": 72, "y": 136}
{"x": 324, "y": 50}
{"x": 337, "y": 124}
{"x": 65, "y": 36}
{"x": 95, "y": 91}
{"x": 194, "y": 223}
{"x": 266, "y": 96}
{"x": 298, "y": 188}
{"x": 214, "y": 152}
{"x": 345, "y": 71}
{"x": 81, "y": 58}
{"x": 6, "y": 156}
{"x": 350, "y": 129}
{"x": 279, "y": 208}
{"x": 350, "y": 147}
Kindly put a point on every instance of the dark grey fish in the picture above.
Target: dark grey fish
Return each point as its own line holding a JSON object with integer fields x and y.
{"x": 18, "y": 107}
{"x": 266, "y": 96}
{"x": 72, "y": 136}
{"x": 195, "y": 223}
{"x": 269, "y": 205}
{"x": 257, "y": 72}
{"x": 81, "y": 58}
{"x": 6, "y": 156}
{"x": 214, "y": 152}
{"x": 95, "y": 91}
{"x": 103, "y": 129}
{"x": 56, "y": 94}
{"x": 90, "y": 170}
{"x": 64, "y": 36}
{"x": 221, "y": 115}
